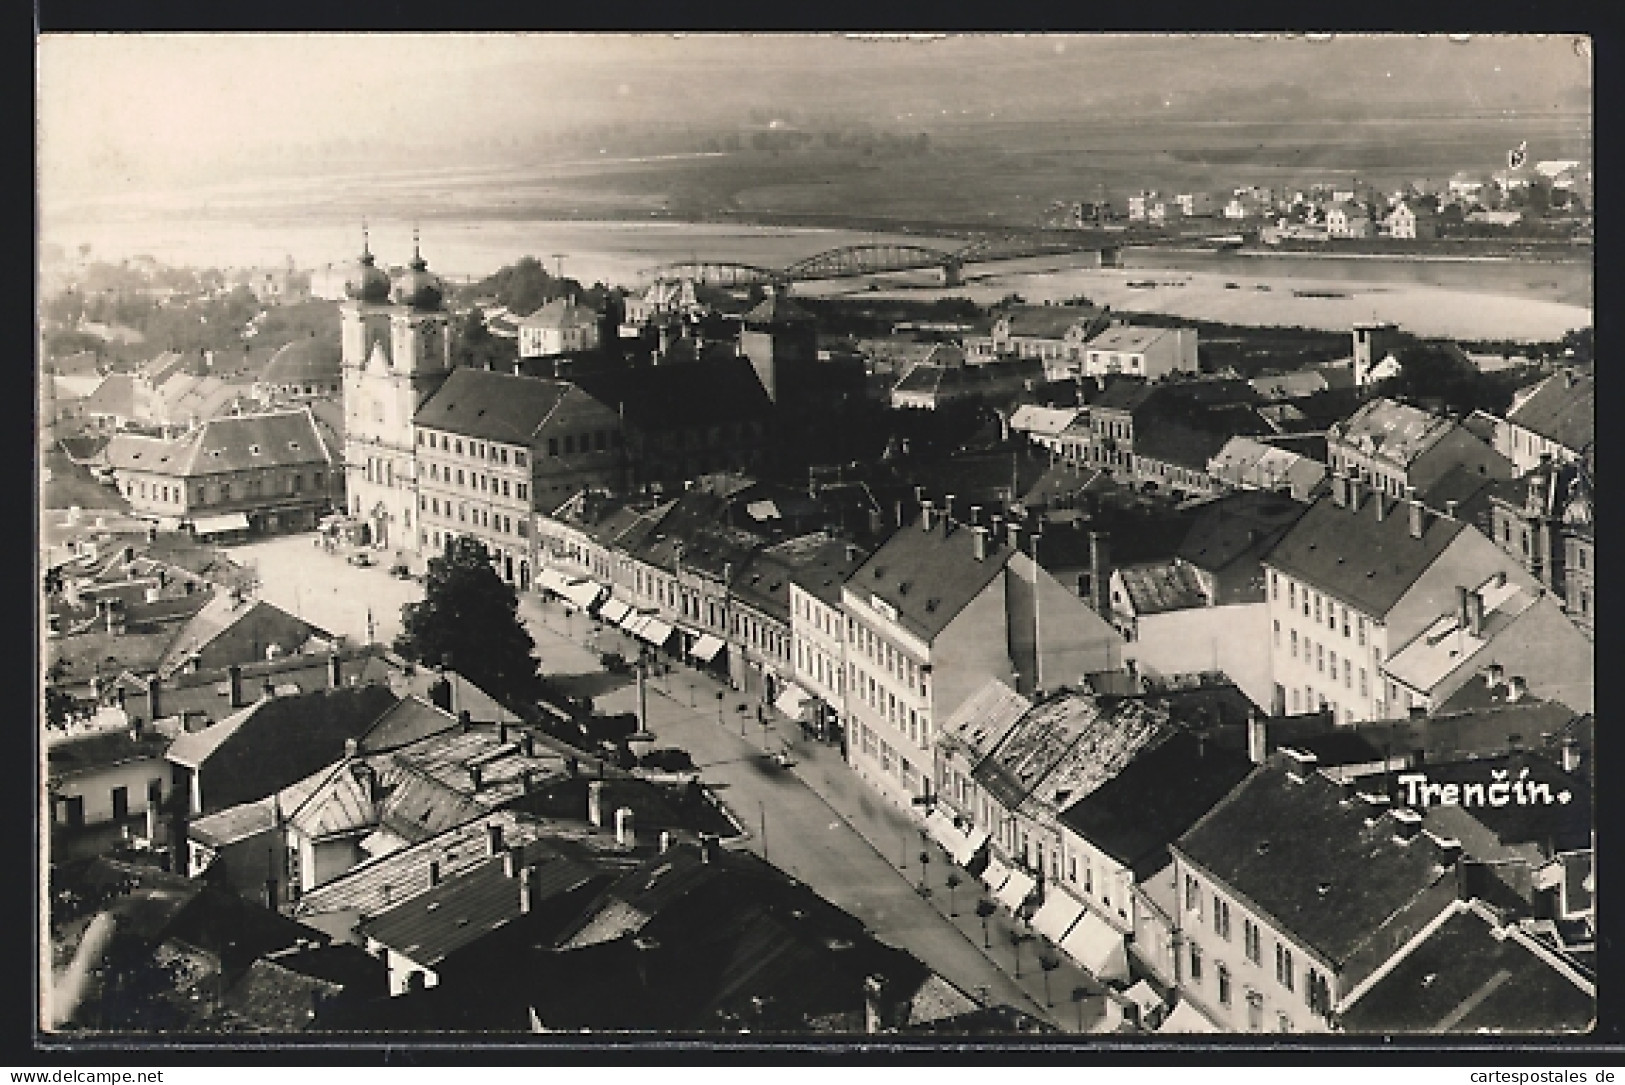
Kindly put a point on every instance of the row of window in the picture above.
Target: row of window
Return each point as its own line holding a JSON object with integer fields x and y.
{"x": 1315, "y": 987}
{"x": 1323, "y": 658}
{"x": 479, "y": 450}
{"x": 818, "y": 667}
{"x": 883, "y": 655}
{"x": 891, "y": 762}
{"x": 476, "y": 481}
{"x": 897, "y": 713}
{"x": 216, "y": 492}
{"x": 505, "y": 525}
{"x": 1335, "y": 615}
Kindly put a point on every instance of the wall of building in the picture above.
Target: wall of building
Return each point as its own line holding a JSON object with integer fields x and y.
{"x": 1227, "y": 638}
{"x": 973, "y": 648}
{"x": 1075, "y": 640}
{"x": 96, "y": 789}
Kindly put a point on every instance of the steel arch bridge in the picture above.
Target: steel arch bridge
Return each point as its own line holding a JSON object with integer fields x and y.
{"x": 849, "y": 261}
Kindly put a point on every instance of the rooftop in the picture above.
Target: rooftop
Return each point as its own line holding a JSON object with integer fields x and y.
{"x": 1326, "y": 867}
{"x": 1348, "y": 553}
{"x": 1563, "y": 409}
{"x": 494, "y": 406}
{"x": 1238, "y": 527}
{"x": 1052, "y": 321}
{"x": 702, "y": 393}
{"x": 1472, "y": 974}
{"x": 1160, "y": 587}
{"x": 979, "y": 724}
{"x": 1395, "y": 431}
{"x": 928, "y": 577}
{"x": 1446, "y": 645}
{"x": 226, "y": 445}
{"x": 1129, "y": 338}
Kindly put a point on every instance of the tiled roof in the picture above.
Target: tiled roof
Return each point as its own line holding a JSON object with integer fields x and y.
{"x": 1135, "y": 815}
{"x": 1563, "y": 410}
{"x": 221, "y": 613}
{"x": 276, "y": 741}
{"x": 1123, "y": 395}
{"x": 312, "y": 360}
{"x": 494, "y": 406}
{"x": 1238, "y": 527}
{"x": 1159, "y": 587}
{"x": 1127, "y": 337}
{"x": 114, "y": 396}
{"x": 1047, "y": 421}
{"x": 1304, "y": 382}
{"x": 1066, "y": 747}
{"x": 225, "y": 445}
{"x": 1482, "y": 731}
{"x": 1051, "y": 321}
{"x": 1470, "y": 974}
{"x": 928, "y": 577}
{"x": 1324, "y": 867}
{"x": 1347, "y": 553}
{"x": 662, "y": 397}
{"x": 560, "y": 313}
{"x": 87, "y": 753}
{"x": 1062, "y": 484}
{"x": 819, "y": 564}
{"x": 436, "y": 923}
{"x": 234, "y": 823}
{"x": 1181, "y": 445}
{"x": 1396, "y": 431}
{"x": 980, "y": 724}
{"x": 1562, "y": 824}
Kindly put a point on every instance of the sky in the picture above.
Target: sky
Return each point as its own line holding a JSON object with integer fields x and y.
{"x": 155, "y": 109}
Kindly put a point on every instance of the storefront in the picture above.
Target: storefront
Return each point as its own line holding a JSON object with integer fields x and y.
{"x": 228, "y": 528}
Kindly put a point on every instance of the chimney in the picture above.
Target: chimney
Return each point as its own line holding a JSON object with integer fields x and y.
{"x": 1340, "y": 491}
{"x": 1463, "y": 608}
{"x": 1571, "y": 754}
{"x": 1493, "y": 675}
{"x": 1449, "y": 850}
{"x": 928, "y": 515}
{"x": 1450, "y": 508}
{"x": 1417, "y": 523}
{"x": 493, "y": 838}
{"x": 1257, "y": 737}
{"x": 1475, "y": 613}
{"x": 665, "y": 841}
{"x": 1517, "y": 688}
{"x": 976, "y": 516}
{"x": 1299, "y": 764}
{"x": 525, "y": 890}
{"x": 1100, "y": 573}
{"x": 947, "y": 515}
{"x": 268, "y": 688}
{"x": 527, "y": 744}
{"x": 474, "y": 777}
{"x": 625, "y": 832}
{"x": 1407, "y": 823}
{"x": 1382, "y": 506}
{"x": 979, "y": 543}
{"x": 502, "y": 732}
{"x": 351, "y": 748}
{"x": 465, "y": 721}
{"x": 1013, "y": 535}
{"x": 234, "y": 676}
{"x": 434, "y": 873}
{"x": 154, "y": 697}
{"x": 897, "y": 508}
{"x": 335, "y": 671}
{"x": 708, "y": 848}
{"x": 595, "y": 803}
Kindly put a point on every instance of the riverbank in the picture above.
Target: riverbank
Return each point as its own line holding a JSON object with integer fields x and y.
{"x": 1324, "y": 304}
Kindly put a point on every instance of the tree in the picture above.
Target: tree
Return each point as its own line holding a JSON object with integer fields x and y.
{"x": 1017, "y": 936}
{"x": 1049, "y": 962}
{"x": 58, "y": 701}
{"x": 954, "y": 881}
{"x": 984, "y": 911}
{"x": 469, "y": 615}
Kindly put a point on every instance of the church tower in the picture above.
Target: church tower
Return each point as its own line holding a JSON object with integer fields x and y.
{"x": 396, "y": 352}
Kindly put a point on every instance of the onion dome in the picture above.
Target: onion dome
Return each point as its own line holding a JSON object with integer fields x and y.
{"x": 364, "y": 280}
{"x": 418, "y": 286}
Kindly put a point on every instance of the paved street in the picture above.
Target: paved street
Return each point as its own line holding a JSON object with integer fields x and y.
{"x": 815, "y": 820}
{"x": 822, "y": 824}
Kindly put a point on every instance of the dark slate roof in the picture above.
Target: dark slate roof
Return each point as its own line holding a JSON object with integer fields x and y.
{"x": 819, "y": 564}
{"x": 1123, "y": 395}
{"x": 225, "y": 445}
{"x": 778, "y": 309}
{"x": 456, "y": 913}
{"x": 1062, "y": 485}
{"x": 1469, "y": 487}
{"x": 1471, "y": 975}
{"x": 1562, "y": 825}
{"x": 928, "y": 576}
{"x": 694, "y": 533}
{"x": 273, "y": 998}
{"x": 1052, "y": 321}
{"x": 702, "y": 393}
{"x": 1347, "y": 553}
{"x": 1178, "y": 444}
{"x": 312, "y": 360}
{"x": 493, "y": 406}
{"x": 1161, "y": 587}
{"x": 1241, "y": 526}
{"x": 95, "y": 751}
{"x": 1562, "y": 410}
{"x": 1327, "y": 869}
{"x": 1160, "y": 793}
{"x": 276, "y": 741}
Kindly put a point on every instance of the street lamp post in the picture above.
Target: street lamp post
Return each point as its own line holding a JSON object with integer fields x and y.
{"x": 719, "y": 706}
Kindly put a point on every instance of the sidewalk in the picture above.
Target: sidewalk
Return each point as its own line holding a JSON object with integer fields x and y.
{"x": 685, "y": 699}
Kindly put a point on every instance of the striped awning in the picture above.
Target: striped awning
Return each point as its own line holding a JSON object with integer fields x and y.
{"x": 613, "y": 611}
{"x": 631, "y": 620}
{"x": 706, "y": 648}
{"x": 583, "y": 593}
{"x": 995, "y": 875}
{"x": 1014, "y": 892}
{"x": 1097, "y": 947}
{"x": 655, "y": 631}
{"x": 1057, "y": 914}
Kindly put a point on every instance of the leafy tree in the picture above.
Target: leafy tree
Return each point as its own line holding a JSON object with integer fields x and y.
{"x": 470, "y": 616}
{"x": 58, "y": 702}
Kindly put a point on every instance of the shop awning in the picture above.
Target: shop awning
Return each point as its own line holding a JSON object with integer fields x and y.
{"x": 552, "y": 580}
{"x": 1187, "y": 1018}
{"x": 1097, "y": 947}
{"x": 655, "y": 631}
{"x": 944, "y": 832}
{"x": 995, "y": 875}
{"x": 632, "y": 619}
{"x": 1015, "y": 890}
{"x": 613, "y": 611}
{"x": 974, "y": 843}
{"x": 706, "y": 648}
{"x": 1057, "y": 914}
{"x": 219, "y": 525}
{"x": 583, "y": 593}
{"x": 1145, "y": 997}
{"x": 792, "y": 698}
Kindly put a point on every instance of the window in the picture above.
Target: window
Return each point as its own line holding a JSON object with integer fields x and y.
{"x": 1277, "y": 632}
{"x": 1317, "y": 993}
{"x": 519, "y": 459}
{"x": 519, "y": 490}
{"x": 1275, "y": 586}
{"x": 1250, "y": 941}
{"x": 1221, "y": 917}
{"x": 459, "y": 476}
{"x": 1317, "y": 608}
{"x": 1193, "y": 895}
{"x": 1283, "y": 966}
{"x": 1294, "y": 644}
{"x": 504, "y": 487}
{"x": 459, "y": 447}
{"x": 1255, "y": 1011}
{"x": 1334, "y": 665}
{"x": 1362, "y": 682}
{"x": 1348, "y": 680}
{"x": 1359, "y": 624}
{"x": 1222, "y": 971}
{"x": 1343, "y": 612}
{"x": 1292, "y": 595}
{"x": 1320, "y": 658}
{"x": 1196, "y": 963}
{"x": 1088, "y": 876}
{"x": 552, "y": 446}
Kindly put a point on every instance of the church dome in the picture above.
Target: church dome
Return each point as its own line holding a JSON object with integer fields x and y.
{"x": 364, "y": 280}
{"x": 418, "y": 286}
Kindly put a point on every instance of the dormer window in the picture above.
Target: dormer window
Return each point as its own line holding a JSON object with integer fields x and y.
{"x": 293, "y": 446}
{"x": 253, "y": 450}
